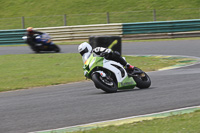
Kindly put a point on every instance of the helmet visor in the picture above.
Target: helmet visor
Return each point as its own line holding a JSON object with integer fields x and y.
{"x": 84, "y": 51}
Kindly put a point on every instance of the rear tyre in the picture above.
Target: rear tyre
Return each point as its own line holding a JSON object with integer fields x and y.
{"x": 142, "y": 79}
{"x": 107, "y": 85}
{"x": 56, "y": 49}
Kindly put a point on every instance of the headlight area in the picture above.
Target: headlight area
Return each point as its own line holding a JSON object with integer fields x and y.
{"x": 92, "y": 63}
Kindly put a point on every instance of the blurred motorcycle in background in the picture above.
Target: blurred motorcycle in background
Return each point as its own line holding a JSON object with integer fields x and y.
{"x": 41, "y": 43}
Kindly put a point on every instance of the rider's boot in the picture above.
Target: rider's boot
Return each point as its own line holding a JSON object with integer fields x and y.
{"x": 129, "y": 68}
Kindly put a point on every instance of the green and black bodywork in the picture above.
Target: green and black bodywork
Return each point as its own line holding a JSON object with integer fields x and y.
{"x": 108, "y": 75}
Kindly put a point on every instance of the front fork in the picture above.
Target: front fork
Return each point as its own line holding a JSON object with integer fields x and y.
{"x": 104, "y": 75}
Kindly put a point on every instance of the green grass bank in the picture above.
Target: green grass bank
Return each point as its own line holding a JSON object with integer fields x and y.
{"x": 32, "y": 70}
{"x": 50, "y": 13}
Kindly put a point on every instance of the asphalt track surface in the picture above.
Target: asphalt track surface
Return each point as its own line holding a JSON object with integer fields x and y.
{"x": 58, "y": 106}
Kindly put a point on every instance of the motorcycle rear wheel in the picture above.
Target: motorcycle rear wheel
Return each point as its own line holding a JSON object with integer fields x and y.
{"x": 108, "y": 86}
{"x": 142, "y": 80}
{"x": 56, "y": 48}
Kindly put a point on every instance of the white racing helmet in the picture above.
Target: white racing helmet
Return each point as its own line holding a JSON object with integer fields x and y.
{"x": 84, "y": 48}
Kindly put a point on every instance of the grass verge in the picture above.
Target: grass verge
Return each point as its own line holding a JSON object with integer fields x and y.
{"x": 32, "y": 70}
{"x": 187, "y": 123}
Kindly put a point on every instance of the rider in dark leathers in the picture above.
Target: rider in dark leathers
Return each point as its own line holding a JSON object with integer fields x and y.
{"x": 31, "y": 34}
{"x": 104, "y": 52}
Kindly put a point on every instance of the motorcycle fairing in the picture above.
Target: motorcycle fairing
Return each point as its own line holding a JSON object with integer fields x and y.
{"x": 123, "y": 80}
{"x": 91, "y": 63}
{"x": 127, "y": 83}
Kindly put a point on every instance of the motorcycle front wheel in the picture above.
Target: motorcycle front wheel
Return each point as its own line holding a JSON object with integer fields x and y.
{"x": 106, "y": 84}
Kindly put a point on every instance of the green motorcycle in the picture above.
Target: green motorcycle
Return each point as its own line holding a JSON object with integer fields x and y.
{"x": 111, "y": 76}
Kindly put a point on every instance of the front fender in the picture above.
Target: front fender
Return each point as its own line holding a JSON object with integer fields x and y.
{"x": 101, "y": 73}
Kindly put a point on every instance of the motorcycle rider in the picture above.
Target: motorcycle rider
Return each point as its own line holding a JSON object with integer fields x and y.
{"x": 31, "y": 34}
{"x": 85, "y": 49}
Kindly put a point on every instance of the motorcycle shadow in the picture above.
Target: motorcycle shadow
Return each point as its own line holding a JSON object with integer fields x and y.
{"x": 135, "y": 89}
{"x": 126, "y": 91}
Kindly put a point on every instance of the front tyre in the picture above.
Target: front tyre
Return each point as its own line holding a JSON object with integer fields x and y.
{"x": 106, "y": 84}
{"x": 37, "y": 50}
